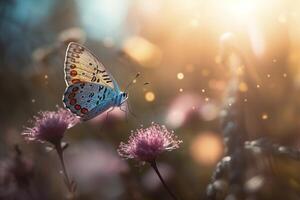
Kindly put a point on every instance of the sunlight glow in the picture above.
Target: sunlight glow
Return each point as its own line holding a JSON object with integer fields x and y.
{"x": 264, "y": 116}
{"x": 257, "y": 39}
{"x": 243, "y": 7}
{"x": 206, "y": 148}
{"x": 245, "y": 10}
{"x": 142, "y": 51}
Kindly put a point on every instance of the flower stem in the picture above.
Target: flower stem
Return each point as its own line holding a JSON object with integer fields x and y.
{"x": 59, "y": 151}
{"x": 154, "y": 166}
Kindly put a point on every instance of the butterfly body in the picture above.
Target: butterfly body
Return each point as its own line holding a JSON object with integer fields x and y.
{"x": 91, "y": 89}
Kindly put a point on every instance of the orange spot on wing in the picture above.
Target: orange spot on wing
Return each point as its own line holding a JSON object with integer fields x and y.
{"x": 75, "y": 81}
{"x": 75, "y": 55}
{"x": 77, "y": 107}
{"x": 72, "y": 101}
{"x": 75, "y": 89}
{"x": 73, "y": 72}
{"x": 84, "y": 110}
{"x": 72, "y": 95}
{"x": 77, "y": 50}
{"x": 73, "y": 66}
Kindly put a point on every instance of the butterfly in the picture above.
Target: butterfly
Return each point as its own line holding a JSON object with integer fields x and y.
{"x": 91, "y": 90}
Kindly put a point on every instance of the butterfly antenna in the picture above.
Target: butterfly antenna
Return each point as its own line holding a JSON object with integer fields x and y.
{"x": 133, "y": 81}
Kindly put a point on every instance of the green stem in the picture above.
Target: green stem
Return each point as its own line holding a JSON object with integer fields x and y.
{"x": 154, "y": 166}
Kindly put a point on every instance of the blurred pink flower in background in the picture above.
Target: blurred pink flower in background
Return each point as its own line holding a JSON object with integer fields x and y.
{"x": 97, "y": 168}
{"x": 186, "y": 104}
{"x": 181, "y": 107}
{"x": 147, "y": 143}
{"x": 50, "y": 126}
{"x": 209, "y": 111}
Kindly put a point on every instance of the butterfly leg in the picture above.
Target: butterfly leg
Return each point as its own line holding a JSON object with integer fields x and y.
{"x": 106, "y": 118}
{"x": 124, "y": 111}
{"x": 129, "y": 109}
{"x": 108, "y": 113}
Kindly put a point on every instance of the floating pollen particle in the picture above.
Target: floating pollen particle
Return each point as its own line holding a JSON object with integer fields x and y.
{"x": 150, "y": 96}
{"x": 180, "y": 76}
{"x": 264, "y": 116}
{"x": 284, "y": 75}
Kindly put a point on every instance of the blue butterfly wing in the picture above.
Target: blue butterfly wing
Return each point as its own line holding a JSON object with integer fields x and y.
{"x": 116, "y": 86}
{"x": 88, "y": 100}
{"x": 101, "y": 108}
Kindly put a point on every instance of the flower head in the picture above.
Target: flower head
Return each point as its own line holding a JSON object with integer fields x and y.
{"x": 147, "y": 143}
{"x": 50, "y": 126}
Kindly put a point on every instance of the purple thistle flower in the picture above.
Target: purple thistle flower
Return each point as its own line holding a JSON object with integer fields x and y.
{"x": 50, "y": 126}
{"x": 147, "y": 143}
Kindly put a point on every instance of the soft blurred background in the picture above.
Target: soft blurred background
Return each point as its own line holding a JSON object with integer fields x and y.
{"x": 177, "y": 47}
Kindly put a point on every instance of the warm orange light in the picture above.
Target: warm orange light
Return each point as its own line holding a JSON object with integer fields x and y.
{"x": 207, "y": 148}
{"x": 264, "y": 116}
{"x": 244, "y": 10}
{"x": 142, "y": 51}
{"x": 150, "y": 96}
{"x": 180, "y": 76}
{"x": 284, "y": 75}
{"x": 190, "y": 68}
{"x": 243, "y": 87}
